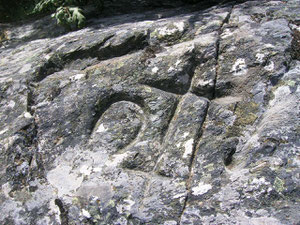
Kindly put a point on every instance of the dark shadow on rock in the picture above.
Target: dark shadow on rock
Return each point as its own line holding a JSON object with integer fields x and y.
{"x": 114, "y": 13}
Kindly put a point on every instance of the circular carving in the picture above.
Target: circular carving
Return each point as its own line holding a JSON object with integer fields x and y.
{"x": 118, "y": 126}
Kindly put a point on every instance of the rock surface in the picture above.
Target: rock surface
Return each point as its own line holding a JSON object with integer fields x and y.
{"x": 187, "y": 115}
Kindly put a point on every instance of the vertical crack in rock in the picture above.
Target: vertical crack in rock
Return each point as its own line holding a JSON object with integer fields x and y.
{"x": 36, "y": 158}
{"x": 165, "y": 131}
{"x": 226, "y": 20}
{"x": 295, "y": 45}
{"x": 200, "y": 131}
{"x": 192, "y": 163}
{"x": 21, "y": 154}
{"x": 173, "y": 113}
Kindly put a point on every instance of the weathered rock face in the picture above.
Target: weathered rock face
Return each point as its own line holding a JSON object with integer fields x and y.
{"x": 176, "y": 116}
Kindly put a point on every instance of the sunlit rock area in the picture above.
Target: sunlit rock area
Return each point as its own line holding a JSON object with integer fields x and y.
{"x": 179, "y": 114}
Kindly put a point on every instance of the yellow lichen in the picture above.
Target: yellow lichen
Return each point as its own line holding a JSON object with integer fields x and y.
{"x": 3, "y": 36}
{"x": 279, "y": 184}
{"x": 245, "y": 113}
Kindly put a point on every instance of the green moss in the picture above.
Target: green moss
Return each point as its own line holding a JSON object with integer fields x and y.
{"x": 173, "y": 37}
{"x": 290, "y": 83}
{"x": 22, "y": 195}
{"x": 279, "y": 184}
{"x": 245, "y": 113}
{"x": 209, "y": 167}
{"x": 3, "y": 36}
{"x": 154, "y": 34}
{"x": 75, "y": 201}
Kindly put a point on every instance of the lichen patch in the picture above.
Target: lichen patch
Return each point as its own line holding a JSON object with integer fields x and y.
{"x": 239, "y": 68}
{"x": 188, "y": 148}
{"x": 201, "y": 189}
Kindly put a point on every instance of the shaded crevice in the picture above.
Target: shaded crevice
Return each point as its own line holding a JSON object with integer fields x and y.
{"x": 179, "y": 88}
{"x": 166, "y": 86}
{"x": 63, "y": 212}
{"x": 101, "y": 51}
{"x": 148, "y": 183}
{"x": 54, "y": 64}
{"x": 58, "y": 61}
{"x": 103, "y": 104}
{"x": 172, "y": 115}
{"x": 229, "y": 149}
{"x": 132, "y": 44}
{"x": 23, "y": 151}
{"x": 85, "y": 53}
{"x": 30, "y": 108}
{"x": 164, "y": 135}
{"x": 295, "y": 44}
{"x": 38, "y": 169}
{"x": 20, "y": 153}
{"x": 218, "y": 51}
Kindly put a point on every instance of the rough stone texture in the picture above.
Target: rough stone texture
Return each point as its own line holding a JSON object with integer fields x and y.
{"x": 182, "y": 116}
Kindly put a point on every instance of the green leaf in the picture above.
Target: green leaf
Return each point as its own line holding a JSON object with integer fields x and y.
{"x": 70, "y": 17}
{"x": 77, "y": 17}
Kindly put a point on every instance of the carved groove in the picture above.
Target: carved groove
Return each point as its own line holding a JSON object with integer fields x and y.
{"x": 226, "y": 20}
{"x": 103, "y": 104}
{"x": 63, "y": 212}
{"x": 59, "y": 60}
{"x": 196, "y": 147}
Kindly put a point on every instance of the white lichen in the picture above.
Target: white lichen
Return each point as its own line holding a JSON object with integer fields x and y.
{"x": 239, "y": 68}
{"x": 27, "y": 115}
{"x": 85, "y": 213}
{"x": 101, "y": 129}
{"x": 64, "y": 180}
{"x": 155, "y": 69}
{"x": 260, "y": 57}
{"x": 25, "y": 68}
{"x": 11, "y": 104}
{"x": 201, "y": 189}
{"x": 188, "y": 148}
{"x": 85, "y": 170}
{"x": 77, "y": 77}
{"x": 270, "y": 66}
{"x": 177, "y": 62}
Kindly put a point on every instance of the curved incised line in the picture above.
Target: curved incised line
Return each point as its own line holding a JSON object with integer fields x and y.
{"x": 104, "y": 104}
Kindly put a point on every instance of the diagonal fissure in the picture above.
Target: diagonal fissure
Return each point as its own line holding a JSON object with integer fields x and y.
{"x": 192, "y": 162}
{"x": 202, "y": 127}
{"x": 218, "y": 51}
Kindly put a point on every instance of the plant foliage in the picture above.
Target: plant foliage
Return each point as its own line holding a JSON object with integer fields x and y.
{"x": 67, "y": 13}
{"x": 69, "y": 17}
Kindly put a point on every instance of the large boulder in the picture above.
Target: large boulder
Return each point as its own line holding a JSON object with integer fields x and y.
{"x": 187, "y": 115}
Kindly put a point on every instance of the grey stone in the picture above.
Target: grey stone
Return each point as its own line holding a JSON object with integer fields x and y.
{"x": 179, "y": 115}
